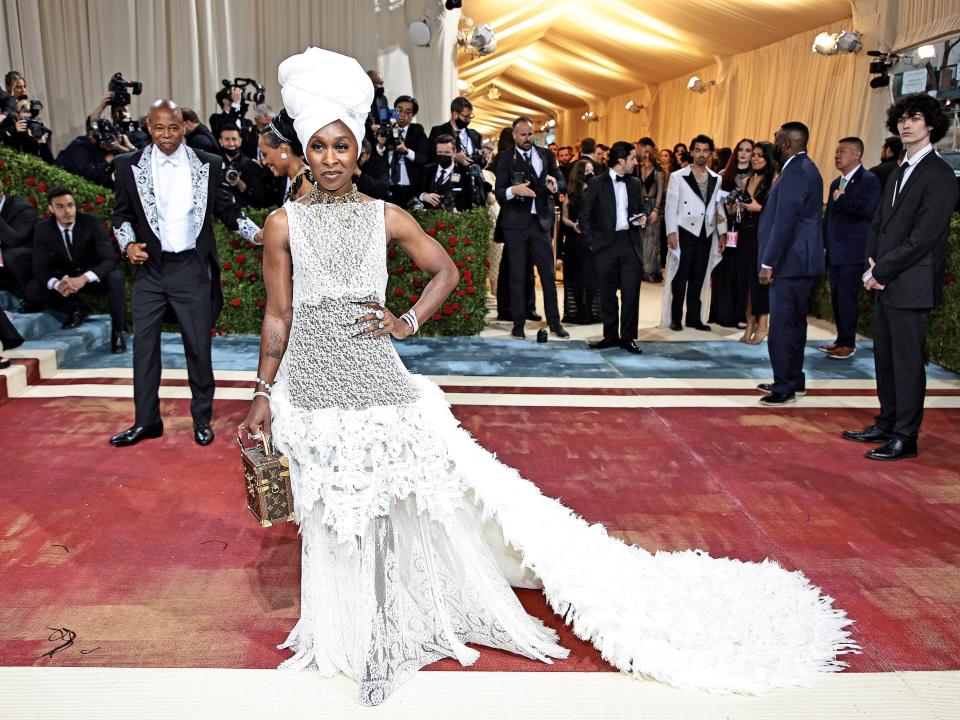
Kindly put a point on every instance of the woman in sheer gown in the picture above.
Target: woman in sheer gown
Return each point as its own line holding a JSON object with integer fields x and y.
{"x": 413, "y": 534}
{"x": 763, "y": 170}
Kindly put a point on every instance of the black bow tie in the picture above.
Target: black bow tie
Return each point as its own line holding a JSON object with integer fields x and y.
{"x": 621, "y": 178}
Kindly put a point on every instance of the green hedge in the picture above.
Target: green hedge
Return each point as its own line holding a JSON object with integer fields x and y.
{"x": 943, "y": 332}
{"x": 463, "y": 236}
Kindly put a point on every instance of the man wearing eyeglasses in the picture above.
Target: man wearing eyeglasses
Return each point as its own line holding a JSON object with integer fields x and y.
{"x": 404, "y": 147}
{"x": 467, "y": 142}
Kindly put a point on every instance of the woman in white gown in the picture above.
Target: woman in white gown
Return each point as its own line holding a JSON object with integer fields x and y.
{"x": 412, "y": 534}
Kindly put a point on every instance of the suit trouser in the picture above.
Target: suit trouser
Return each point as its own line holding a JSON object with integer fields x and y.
{"x": 789, "y": 303}
{"x": 899, "y": 335}
{"x": 688, "y": 282}
{"x": 18, "y": 266}
{"x": 522, "y": 246}
{"x": 181, "y": 281}
{"x": 504, "y": 310}
{"x": 845, "y": 283}
{"x": 619, "y": 267}
{"x": 111, "y": 286}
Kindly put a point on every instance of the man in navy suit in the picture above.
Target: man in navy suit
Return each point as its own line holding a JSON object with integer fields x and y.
{"x": 791, "y": 258}
{"x": 853, "y": 200}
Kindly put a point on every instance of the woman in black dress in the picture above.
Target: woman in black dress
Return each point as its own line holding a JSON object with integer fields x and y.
{"x": 581, "y": 303}
{"x": 757, "y": 186}
{"x": 728, "y": 303}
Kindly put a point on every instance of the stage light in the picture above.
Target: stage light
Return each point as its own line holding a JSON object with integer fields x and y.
{"x": 925, "y": 52}
{"x": 845, "y": 41}
{"x": 631, "y": 106}
{"x": 695, "y": 84}
{"x": 419, "y": 33}
{"x": 493, "y": 93}
{"x": 590, "y": 116}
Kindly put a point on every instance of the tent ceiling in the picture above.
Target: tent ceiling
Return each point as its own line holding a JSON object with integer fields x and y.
{"x": 558, "y": 54}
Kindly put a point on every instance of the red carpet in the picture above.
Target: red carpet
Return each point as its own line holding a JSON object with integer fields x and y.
{"x": 150, "y": 557}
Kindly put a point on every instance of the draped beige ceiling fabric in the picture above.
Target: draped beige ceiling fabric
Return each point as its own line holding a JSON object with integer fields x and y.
{"x": 180, "y": 49}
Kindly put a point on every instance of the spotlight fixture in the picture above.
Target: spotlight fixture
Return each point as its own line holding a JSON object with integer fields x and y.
{"x": 480, "y": 41}
{"x": 493, "y": 93}
{"x": 419, "y": 33}
{"x": 453, "y": 4}
{"x": 845, "y": 41}
{"x": 926, "y": 52}
{"x": 631, "y": 106}
{"x": 695, "y": 84}
{"x": 590, "y": 116}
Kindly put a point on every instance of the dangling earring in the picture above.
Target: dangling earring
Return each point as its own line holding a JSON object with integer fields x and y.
{"x": 283, "y": 156}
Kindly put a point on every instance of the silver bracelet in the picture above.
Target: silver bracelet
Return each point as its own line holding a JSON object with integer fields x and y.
{"x": 410, "y": 317}
{"x": 268, "y": 386}
{"x": 260, "y": 393}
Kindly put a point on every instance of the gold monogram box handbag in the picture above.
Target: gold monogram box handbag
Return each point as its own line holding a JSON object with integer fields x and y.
{"x": 267, "y": 477}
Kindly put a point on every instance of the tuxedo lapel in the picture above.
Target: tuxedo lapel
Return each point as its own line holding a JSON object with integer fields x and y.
{"x": 143, "y": 179}
{"x": 692, "y": 182}
{"x": 711, "y": 186}
{"x": 199, "y": 178}
{"x": 912, "y": 182}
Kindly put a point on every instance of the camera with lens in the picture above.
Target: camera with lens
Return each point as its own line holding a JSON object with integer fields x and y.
{"x": 230, "y": 172}
{"x": 105, "y": 130}
{"x": 35, "y": 128}
{"x": 389, "y": 130}
{"x": 448, "y": 201}
{"x": 119, "y": 95}
{"x": 250, "y": 92}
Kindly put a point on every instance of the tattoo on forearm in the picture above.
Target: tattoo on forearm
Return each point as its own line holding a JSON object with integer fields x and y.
{"x": 275, "y": 346}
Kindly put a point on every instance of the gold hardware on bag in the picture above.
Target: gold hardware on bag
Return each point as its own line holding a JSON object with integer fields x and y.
{"x": 267, "y": 479}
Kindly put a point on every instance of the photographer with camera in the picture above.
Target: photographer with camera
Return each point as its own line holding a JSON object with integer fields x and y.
{"x": 24, "y": 130}
{"x": 198, "y": 135}
{"x": 246, "y": 180}
{"x": 370, "y": 175}
{"x": 467, "y": 144}
{"x": 234, "y": 99}
{"x": 379, "y": 106}
{"x": 14, "y": 87}
{"x": 91, "y": 155}
{"x": 443, "y": 182}
{"x": 404, "y": 147}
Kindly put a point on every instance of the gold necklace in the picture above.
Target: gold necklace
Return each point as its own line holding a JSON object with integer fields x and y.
{"x": 318, "y": 196}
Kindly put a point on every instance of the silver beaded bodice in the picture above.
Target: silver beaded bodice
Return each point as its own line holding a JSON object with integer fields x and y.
{"x": 339, "y": 260}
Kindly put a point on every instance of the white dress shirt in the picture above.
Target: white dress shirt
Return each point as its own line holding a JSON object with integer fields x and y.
{"x": 465, "y": 142}
{"x": 381, "y": 151}
{"x": 911, "y": 163}
{"x": 173, "y": 187}
{"x": 89, "y": 274}
{"x": 620, "y": 191}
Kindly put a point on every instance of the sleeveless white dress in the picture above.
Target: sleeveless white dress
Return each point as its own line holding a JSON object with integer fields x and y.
{"x": 412, "y": 534}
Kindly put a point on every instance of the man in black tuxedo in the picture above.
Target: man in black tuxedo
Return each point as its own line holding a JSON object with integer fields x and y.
{"x": 443, "y": 183}
{"x": 906, "y": 261}
{"x": 370, "y": 174}
{"x": 528, "y": 179}
{"x": 611, "y": 215}
{"x": 889, "y": 160}
{"x": 197, "y": 135}
{"x": 851, "y": 204}
{"x": 409, "y": 153}
{"x": 74, "y": 255}
{"x": 466, "y": 146}
{"x": 790, "y": 244}
{"x": 166, "y": 196}
{"x": 252, "y": 184}
{"x": 17, "y": 220}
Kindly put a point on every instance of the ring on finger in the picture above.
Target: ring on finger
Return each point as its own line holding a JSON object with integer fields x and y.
{"x": 381, "y": 325}
{"x": 378, "y": 314}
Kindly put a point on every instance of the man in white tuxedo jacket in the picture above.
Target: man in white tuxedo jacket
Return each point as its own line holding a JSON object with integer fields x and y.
{"x": 696, "y": 227}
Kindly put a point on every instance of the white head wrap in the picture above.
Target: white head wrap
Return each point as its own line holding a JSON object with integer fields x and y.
{"x": 320, "y": 87}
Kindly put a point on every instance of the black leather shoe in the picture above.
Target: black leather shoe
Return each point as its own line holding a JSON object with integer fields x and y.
{"x": 557, "y": 329}
{"x": 4, "y": 363}
{"x": 895, "y": 449}
{"x": 74, "y": 319}
{"x": 534, "y": 317}
{"x": 768, "y": 388}
{"x": 133, "y": 435}
{"x": 775, "y": 398}
{"x": 870, "y": 434}
{"x": 505, "y": 318}
{"x": 699, "y": 326}
{"x": 631, "y": 346}
{"x": 517, "y": 332}
{"x": 203, "y": 434}
{"x": 676, "y": 326}
{"x": 604, "y": 344}
{"x": 117, "y": 343}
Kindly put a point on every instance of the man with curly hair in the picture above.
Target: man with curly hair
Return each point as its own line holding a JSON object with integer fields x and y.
{"x": 906, "y": 261}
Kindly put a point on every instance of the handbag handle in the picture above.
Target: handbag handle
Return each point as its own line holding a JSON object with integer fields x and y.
{"x": 264, "y": 441}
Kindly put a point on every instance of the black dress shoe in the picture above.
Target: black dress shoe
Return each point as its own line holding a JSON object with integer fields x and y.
{"x": 557, "y": 329}
{"x": 631, "y": 346}
{"x": 505, "y": 318}
{"x": 74, "y": 319}
{"x": 676, "y": 326}
{"x": 203, "y": 434}
{"x": 768, "y": 388}
{"x": 776, "y": 398}
{"x": 117, "y": 343}
{"x": 133, "y": 435}
{"x": 604, "y": 344}
{"x": 534, "y": 317}
{"x": 517, "y": 332}
{"x": 895, "y": 449}
{"x": 4, "y": 363}
{"x": 870, "y": 434}
{"x": 699, "y": 326}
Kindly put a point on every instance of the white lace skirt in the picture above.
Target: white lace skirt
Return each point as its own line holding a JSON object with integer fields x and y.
{"x": 413, "y": 534}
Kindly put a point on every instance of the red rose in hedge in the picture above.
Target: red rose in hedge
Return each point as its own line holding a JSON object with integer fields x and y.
{"x": 458, "y": 263}
{"x": 32, "y": 200}
{"x": 432, "y": 232}
{"x": 234, "y": 243}
{"x": 414, "y": 299}
{"x": 418, "y": 283}
{"x": 437, "y": 317}
{"x": 412, "y": 267}
{"x": 467, "y": 242}
{"x": 2, "y": 164}
{"x": 235, "y": 302}
{"x": 448, "y": 310}
{"x": 228, "y": 265}
{"x": 441, "y": 225}
{"x": 239, "y": 274}
{"x": 391, "y": 253}
{"x": 471, "y": 290}
{"x": 486, "y": 263}
{"x": 240, "y": 258}
{"x": 951, "y": 279}
{"x": 41, "y": 187}
{"x": 253, "y": 277}
{"x": 459, "y": 293}
{"x": 466, "y": 315}
{"x": 398, "y": 292}
{"x": 31, "y": 181}
{"x": 87, "y": 207}
{"x": 261, "y": 303}
{"x": 7, "y": 181}
{"x": 469, "y": 258}
{"x": 450, "y": 252}
{"x": 101, "y": 200}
